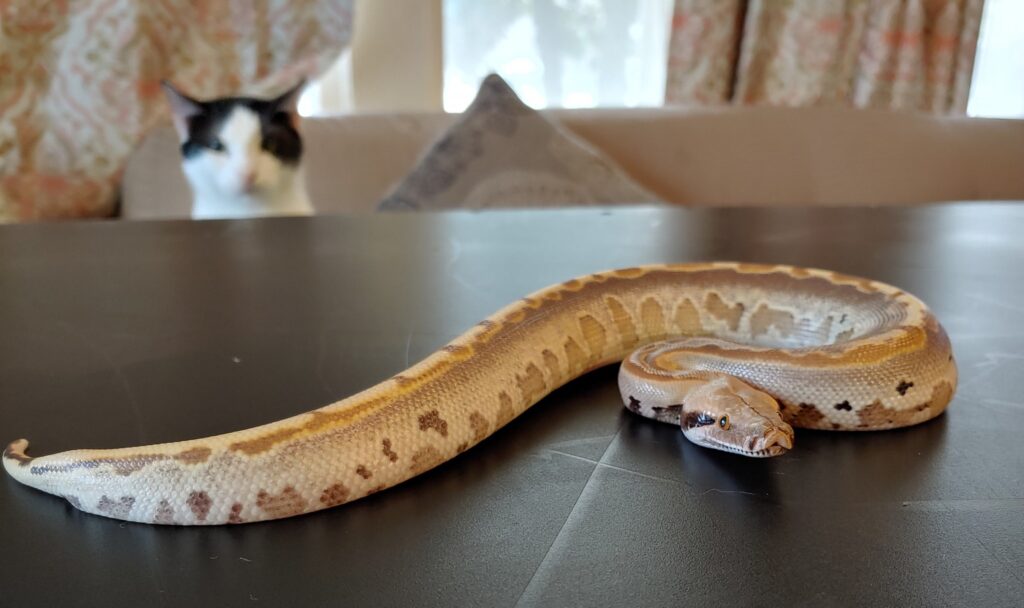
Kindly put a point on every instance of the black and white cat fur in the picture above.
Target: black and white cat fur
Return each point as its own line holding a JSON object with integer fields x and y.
{"x": 242, "y": 156}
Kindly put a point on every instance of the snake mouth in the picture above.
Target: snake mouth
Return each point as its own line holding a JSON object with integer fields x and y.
{"x": 776, "y": 443}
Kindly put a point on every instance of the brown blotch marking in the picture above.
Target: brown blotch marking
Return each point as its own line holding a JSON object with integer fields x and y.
{"x": 75, "y": 502}
{"x": 433, "y": 420}
{"x": 593, "y": 335}
{"x": 577, "y": 359}
{"x": 652, "y": 317}
{"x": 844, "y": 406}
{"x": 804, "y": 415}
{"x": 288, "y": 502}
{"x": 623, "y": 322}
{"x": 903, "y": 387}
{"x": 364, "y": 472}
{"x": 480, "y": 427}
{"x": 531, "y": 386}
{"x": 392, "y": 456}
{"x": 457, "y": 349}
{"x": 687, "y": 318}
{"x": 506, "y": 411}
{"x": 731, "y": 314}
{"x": 551, "y": 362}
{"x": 200, "y": 503}
{"x": 164, "y": 513}
{"x": 425, "y": 459}
{"x": 235, "y": 516}
{"x": 119, "y": 508}
{"x": 634, "y": 404}
{"x": 462, "y": 447}
{"x": 877, "y": 415}
{"x": 766, "y": 317}
{"x": 334, "y": 495}
{"x": 195, "y": 455}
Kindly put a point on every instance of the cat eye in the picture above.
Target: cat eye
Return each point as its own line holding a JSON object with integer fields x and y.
{"x": 215, "y": 145}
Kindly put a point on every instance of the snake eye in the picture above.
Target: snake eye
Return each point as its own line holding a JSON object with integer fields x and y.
{"x": 724, "y": 422}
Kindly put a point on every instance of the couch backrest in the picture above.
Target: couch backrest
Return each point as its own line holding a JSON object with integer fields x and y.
{"x": 727, "y": 156}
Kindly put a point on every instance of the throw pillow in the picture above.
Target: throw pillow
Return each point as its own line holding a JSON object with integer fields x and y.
{"x": 503, "y": 153}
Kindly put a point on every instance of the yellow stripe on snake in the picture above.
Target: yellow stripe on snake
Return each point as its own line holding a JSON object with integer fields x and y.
{"x": 753, "y": 350}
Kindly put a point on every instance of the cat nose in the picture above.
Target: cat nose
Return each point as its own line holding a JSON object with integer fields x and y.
{"x": 249, "y": 180}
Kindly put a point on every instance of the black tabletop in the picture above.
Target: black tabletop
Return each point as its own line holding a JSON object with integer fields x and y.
{"x": 122, "y": 333}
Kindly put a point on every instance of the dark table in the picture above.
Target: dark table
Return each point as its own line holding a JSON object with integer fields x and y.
{"x": 121, "y": 333}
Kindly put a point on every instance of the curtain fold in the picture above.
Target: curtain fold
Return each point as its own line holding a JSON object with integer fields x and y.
{"x": 899, "y": 54}
{"x": 80, "y": 82}
{"x": 702, "y": 51}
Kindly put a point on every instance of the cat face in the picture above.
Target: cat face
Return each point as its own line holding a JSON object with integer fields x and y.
{"x": 237, "y": 147}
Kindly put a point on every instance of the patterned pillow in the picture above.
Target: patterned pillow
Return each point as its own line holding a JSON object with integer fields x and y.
{"x": 502, "y": 153}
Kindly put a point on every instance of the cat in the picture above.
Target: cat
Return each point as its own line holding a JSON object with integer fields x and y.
{"x": 242, "y": 156}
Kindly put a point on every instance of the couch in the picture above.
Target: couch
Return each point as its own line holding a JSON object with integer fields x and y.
{"x": 726, "y": 156}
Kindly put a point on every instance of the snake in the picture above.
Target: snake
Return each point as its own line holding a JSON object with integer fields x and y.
{"x": 735, "y": 354}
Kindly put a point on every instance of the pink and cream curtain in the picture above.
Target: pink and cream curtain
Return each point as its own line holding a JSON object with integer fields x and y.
{"x": 899, "y": 54}
{"x": 80, "y": 82}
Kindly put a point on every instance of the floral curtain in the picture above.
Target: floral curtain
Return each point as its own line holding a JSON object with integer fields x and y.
{"x": 80, "y": 82}
{"x": 900, "y": 54}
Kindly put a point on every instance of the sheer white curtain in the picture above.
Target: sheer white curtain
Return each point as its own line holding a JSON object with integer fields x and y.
{"x": 997, "y": 89}
{"x": 430, "y": 55}
{"x": 565, "y": 53}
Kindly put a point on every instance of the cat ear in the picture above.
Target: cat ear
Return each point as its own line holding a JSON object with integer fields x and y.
{"x": 288, "y": 102}
{"x": 183, "y": 107}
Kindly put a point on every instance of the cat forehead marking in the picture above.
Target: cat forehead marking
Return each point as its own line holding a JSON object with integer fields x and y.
{"x": 241, "y": 128}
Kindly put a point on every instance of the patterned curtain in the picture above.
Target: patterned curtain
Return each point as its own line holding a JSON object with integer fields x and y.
{"x": 80, "y": 82}
{"x": 900, "y": 54}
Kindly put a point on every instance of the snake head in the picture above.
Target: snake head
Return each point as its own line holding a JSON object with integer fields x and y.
{"x": 728, "y": 414}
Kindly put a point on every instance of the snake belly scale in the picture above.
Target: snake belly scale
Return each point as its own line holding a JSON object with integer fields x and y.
{"x": 825, "y": 351}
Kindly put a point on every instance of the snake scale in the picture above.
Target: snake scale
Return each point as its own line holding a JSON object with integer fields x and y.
{"x": 736, "y": 354}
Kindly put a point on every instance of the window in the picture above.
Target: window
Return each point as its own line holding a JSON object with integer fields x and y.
{"x": 568, "y": 53}
{"x": 997, "y": 89}
{"x": 587, "y": 53}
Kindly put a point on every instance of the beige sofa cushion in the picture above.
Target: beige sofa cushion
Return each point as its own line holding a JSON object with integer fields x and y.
{"x": 732, "y": 156}
{"x": 815, "y": 156}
